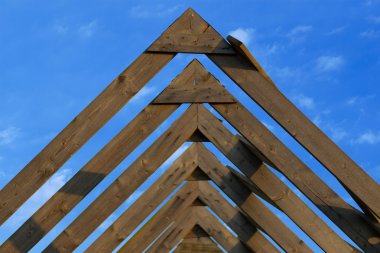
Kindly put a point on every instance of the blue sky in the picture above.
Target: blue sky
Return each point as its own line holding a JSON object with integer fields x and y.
{"x": 56, "y": 56}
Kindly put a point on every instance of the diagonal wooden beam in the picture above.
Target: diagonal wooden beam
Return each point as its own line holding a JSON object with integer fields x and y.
{"x": 164, "y": 218}
{"x": 140, "y": 210}
{"x": 256, "y": 84}
{"x": 179, "y": 132}
{"x": 266, "y": 181}
{"x": 249, "y": 203}
{"x": 87, "y": 178}
{"x": 350, "y": 220}
{"x": 79, "y": 131}
{"x": 208, "y": 222}
{"x": 178, "y": 172}
{"x": 197, "y": 242}
{"x": 190, "y": 33}
{"x": 194, "y": 85}
{"x": 233, "y": 217}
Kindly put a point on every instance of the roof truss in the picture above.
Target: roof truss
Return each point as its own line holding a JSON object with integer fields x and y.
{"x": 184, "y": 213}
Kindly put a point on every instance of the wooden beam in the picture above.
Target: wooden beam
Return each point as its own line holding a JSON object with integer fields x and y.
{"x": 178, "y": 172}
{"x": 198, "y": 244}
{"x": 233, "y": 217}
{"x": 164, "y": 218}
{"x": 350, "y": 220}
{"x": 194, "y": 85}
{"x": 261, "y": 177}
{"x": 79, "y": 131}
{"x": 209, "y": 223}
{"x": 244, "y": 73}
{"x": 249, "y": 203}
{"x": 127, "y": 183}
{"x": 87, "y": 178}
{"x": 191, "y": 34}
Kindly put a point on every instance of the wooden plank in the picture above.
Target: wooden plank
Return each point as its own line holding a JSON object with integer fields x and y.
{"x": 194, "y": 85}
{"x": 167, "y": 215}
{"x": 264, "y": 93}
{"x": 87, "y": 178}
{"x": 275, "y": 191}
{"x": 350, "y": 220}
{"x": 219, "y": 232}
{"x": 198, "y": 245}
{"x": 233, "y": 217}
{"x": 257, "y": 212}
{"x": 208, "y": 223}
{"x": 79, "y": 131}
{"x": 191, "y": 34}
{"x": 181, "y": 169}
{"x": 127, "y": 183}
{"x": 172, "y": 235}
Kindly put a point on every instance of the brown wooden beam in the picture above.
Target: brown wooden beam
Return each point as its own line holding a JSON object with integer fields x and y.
{"x": 87, "y": 178}
{"x": 178, "y": 172}
{"x": 268, "y": 183}
{"x": 247, "y": 75}
{"x": 350, "y": 220}
{"x": 127, "y": 183}
{"x": 79, "y": 131}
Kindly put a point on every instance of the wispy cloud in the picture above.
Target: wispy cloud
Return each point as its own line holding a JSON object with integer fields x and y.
{"x": 374, "y": 19}
{"x": 88, "y": 30}
{"x": 36, "y": 201}
{"x": 304, "y": 101}
{"x": 359, "y": 100}
{"x": 245, "y": 35}
{"x": 298, "y": 33}
{"x": 329, "y": 63}
{"x": 61, "y": 29}
{"x": 336, "y": 30}
{"x": 143, "y": 94}
{"x": 368, "y": 137}
{"x": 155, "y": 11}
{"x": 370, "y": 34}
{"x": 9, "y": 135}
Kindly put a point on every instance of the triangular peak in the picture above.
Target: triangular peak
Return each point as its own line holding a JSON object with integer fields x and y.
{"x": 198, "y": 175}
{"x": 197, "y": 232}
{"x": 198, "y": 245}
{"x": 194, "y": 85}
{"x": 190, "y": 33}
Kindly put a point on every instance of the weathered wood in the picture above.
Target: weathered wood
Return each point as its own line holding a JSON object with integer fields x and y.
{"x": 167, "y": 215}
{"x": 249, "y": 203}
{"x": 198, "y": 245}
{"x": 261, "y": 177}
{"x": 190, "y": 33}
{"x": 350, "y": 220}
{"x": 181, "y": 169}
{"x": 261, "y": 90}
{"x": 232, "y": 216}
{"x": 209, "y": 223}
{"x": 170, "y": 237}
{"x": 127, "y": 183}
{"x": 79, "y": 131}
{"x": 87, "y": 178}
{"x": 194, "y": 85}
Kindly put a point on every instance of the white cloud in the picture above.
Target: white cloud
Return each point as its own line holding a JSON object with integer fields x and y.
{"x": 368, "y": 137}
{"x": 337, "y": 134}
{"x": 87, "y": 30}
{"x": 61, "y": 29}
{"x": 359, "y": 100}
{"x": 176, "y": 154}
{"x": 156, "y": 11}
{"x": 336, "y": 30}
{"x": 329, "y": 63}
{"x": 370, "y": 34}
{"x": 38, "y": 198}
{"x": 8, "y": 135}
{"x": 245, "y": 35}
{"x": 298, "y": 33}
{"x": 143, "y": 94}
{"x": 375, "y": 19}
{"x": 304, "y": 101}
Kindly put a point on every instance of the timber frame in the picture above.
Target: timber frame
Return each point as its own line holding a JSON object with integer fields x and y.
{"x": 196, "y": 216}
